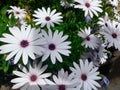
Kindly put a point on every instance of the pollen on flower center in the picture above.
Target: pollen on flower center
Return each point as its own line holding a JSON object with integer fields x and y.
{"x": 84, "y": 77}
{"x": 52, "y": 46}
{"x": 47, "y": 18}
{"x": 17, "y": 12}
{"x": 114, "y": 35}
{"x": 24, "y": 43}
{"x": 61, "y": 87}
{"x": 33, "y": 78}
{"x": 87, "y": 5}
{"x": 88, "y": 38}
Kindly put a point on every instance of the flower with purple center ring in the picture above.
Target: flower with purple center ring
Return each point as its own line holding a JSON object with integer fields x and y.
{"x": 112, "y": 34}
{"x": 90, "y": 40}
{"x": 31, "y": 77}
{"x": 22, "y": 42}
{"x": 62, "y": 81}
{"x": 18, "y": 12}
{"x": 86, "y": 75}
{"x": 90, "y": 7}
{"x": 47, "y": 17}
{"x": 55, "y": 46}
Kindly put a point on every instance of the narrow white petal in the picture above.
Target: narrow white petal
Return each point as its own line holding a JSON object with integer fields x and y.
{"x": 17, "y": 57}
{"x": 53, "y": 58}
{"x": 19, "y": 80}
{"x": 25, "y": 57}
{"x": 11, "y": 54}
{"x": 18, "y": 85}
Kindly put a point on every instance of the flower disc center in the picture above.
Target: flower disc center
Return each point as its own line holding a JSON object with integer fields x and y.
{"x": 52, "y": 46}
{"x": 17, "y": 12}
{"x": 114, "y": 35}
{"x": 84, "y": 77}
{"x": 87, "y": 5}
{"x": 47, "y": 18}
{"x": 106, "y": 24}
{"x": 88, "y": 38}
{"x": 33, "y": 78}
{"x": 61, "y": 87}
{"x": 24, "y": 43}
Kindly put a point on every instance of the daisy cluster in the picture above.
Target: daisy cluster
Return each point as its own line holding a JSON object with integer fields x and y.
{"x": 31, "y": 46}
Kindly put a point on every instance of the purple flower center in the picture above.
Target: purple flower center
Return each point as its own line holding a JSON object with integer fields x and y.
{"x": 52, "y": 46}
{"x": 61, "y": 87}
{"x": 114, "y": 35}
{"x": 84, "y": 77}
{"x": 88, "y": 38}
{"x": 87, "y": 4}
{"x": 24, "y": 43}
{"x": 33, "y": 78}
{"x": 106, "y": 24}
{"x": 89, "y": 59}
{"x": 47, "y": 18}
{"x": 17, "y": 12}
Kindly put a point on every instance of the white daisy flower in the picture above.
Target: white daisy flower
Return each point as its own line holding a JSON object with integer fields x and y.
{"x": 55, "y": 46}
{"x": 90, "y": 40}
{"x": 47, "y": 17}
{"x": 18, "y": 12}
{"x": 31, "y": 78}
{"x": 86, "y": 75}
{"x": 62, "y": 82}
{"x": 24, "y": 41}
{"x": 89, "y": 6}
{"x": 112, "y": 34}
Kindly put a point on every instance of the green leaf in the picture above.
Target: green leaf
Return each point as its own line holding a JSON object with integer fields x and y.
{"x": 4, "y": 10}
{"x": 12, "y": 20}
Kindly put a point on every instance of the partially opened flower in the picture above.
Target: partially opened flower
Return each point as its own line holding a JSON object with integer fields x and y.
{"x": 114, "y": 2}
{"x": 116, "y": 14}
{"x": 91, "y": 56}
{"x": 104, "y": 21}
{"x": 31, "y": 78}
{"x": 66, "y": 4}
{"x": 22, "y": 42}
{"x": 18, "y": 12}
{"x": 90, "y": 40}
{"x": 86, "y": 75}
{"x": 63, "y": 81}
{"x": 101, "y": 53}
{"x": 55, "y": 46}
{"x": 89, "y": 6}
{"x": 47, "y": 17}
{"x": 97, "y": 56}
